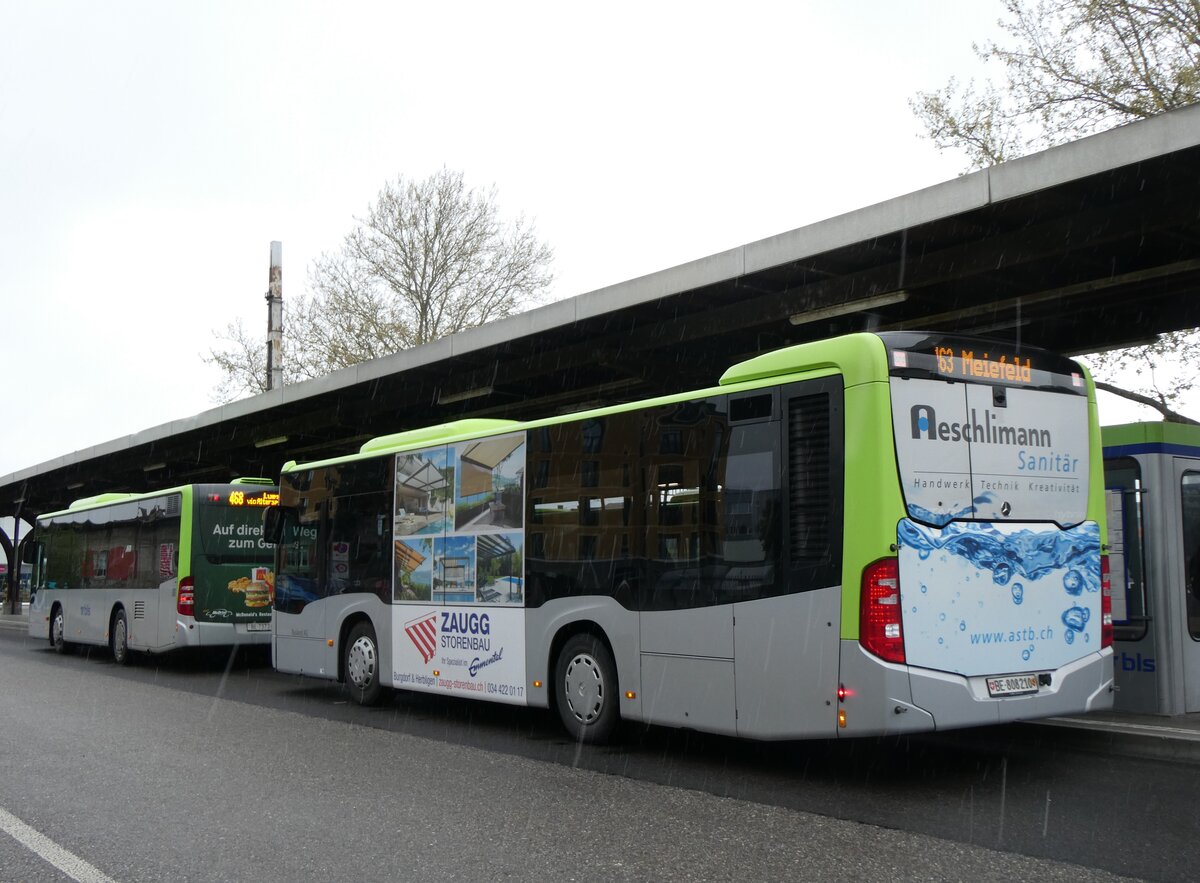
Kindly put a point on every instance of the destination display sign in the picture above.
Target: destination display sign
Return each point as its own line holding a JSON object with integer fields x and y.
{"x": 265, "y": 498}
{"x": 980, "y": 361}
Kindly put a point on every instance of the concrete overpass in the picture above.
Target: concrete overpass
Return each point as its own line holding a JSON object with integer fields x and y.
{"x": 1078, "y": 248}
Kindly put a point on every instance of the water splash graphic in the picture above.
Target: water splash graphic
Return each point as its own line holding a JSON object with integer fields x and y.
{"x": 1030, "y": 554}
{"x": 1031, "y": 589}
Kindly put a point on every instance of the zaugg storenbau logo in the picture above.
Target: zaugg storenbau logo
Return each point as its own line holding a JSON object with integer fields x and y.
{"x": 988, "y": 430}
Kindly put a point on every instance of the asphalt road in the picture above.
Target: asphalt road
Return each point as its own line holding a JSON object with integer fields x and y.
{"x": 211, "y": 769}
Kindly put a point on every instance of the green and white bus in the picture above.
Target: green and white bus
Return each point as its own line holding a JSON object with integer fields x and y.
{"x": 181, "y": 567}
{"x": 874, "y": 534}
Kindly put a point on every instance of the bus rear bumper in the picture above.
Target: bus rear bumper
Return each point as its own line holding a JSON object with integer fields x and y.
{"x": 887, "y": 699}
{"x": 957, "y": 701}
{"x": 189, "y": 633}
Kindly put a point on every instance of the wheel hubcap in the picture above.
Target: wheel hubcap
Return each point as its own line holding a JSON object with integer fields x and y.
{"x": 58, "y": 629}
{"x": 119, "y": 638}
{"x": 360, "y": 664}
{"x": 585, "y": 688}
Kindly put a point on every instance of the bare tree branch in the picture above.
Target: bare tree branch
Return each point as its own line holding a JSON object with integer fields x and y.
{"x": 430, "y": 258}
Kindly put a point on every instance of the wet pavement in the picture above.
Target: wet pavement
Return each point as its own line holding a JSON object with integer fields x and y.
{"x": 1162, "y": 737}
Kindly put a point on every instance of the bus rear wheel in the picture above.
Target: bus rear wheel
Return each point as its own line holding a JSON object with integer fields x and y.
{"x": 118, "y": 638}
{"x": 585, "y": 679}
{"x": 361, "y": 664}
{"x": 58, "y": 631}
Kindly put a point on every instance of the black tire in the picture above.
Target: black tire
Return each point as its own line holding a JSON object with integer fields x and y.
{"x": 118, "y": 638}
{"x": 360, "y": 664}
{"x": 585, "y": 689}
{"x": 58, "y": 631}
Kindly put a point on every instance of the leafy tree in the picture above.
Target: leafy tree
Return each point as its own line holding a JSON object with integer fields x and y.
{"x": 1163, "y": 372}
{"x": 1073, "y": 68}
{"x": 430, "y": 258}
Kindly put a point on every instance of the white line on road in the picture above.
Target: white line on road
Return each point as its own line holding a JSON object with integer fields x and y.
{"x": 67, "y": 862}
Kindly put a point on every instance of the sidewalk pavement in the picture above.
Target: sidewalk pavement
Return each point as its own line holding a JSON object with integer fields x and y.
{"x": 1160, "y": 737}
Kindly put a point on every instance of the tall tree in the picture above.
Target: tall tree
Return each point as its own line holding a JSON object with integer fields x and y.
{"x": 1072, "y": 68}
{"x": 430, "y": 258}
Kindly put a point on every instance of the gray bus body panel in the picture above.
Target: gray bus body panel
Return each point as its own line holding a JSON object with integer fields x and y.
{"x": 786, "y": 663}
{"x": 301, "y": 642}
{"x": 619, "y": 625}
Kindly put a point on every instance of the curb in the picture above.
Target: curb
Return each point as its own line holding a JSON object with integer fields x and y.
{"x": 1147, "y": 741}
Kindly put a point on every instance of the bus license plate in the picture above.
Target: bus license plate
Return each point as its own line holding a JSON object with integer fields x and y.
{"x": 1012, "y": 685}
{"x": 266, "y": 627}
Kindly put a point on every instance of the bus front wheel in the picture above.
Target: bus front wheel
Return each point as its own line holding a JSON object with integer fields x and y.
{"x": 58, "y": 631}
{"x": 361, "y": 664}
{"x": 586, "y": 689}
{"x": 118, "y": 638}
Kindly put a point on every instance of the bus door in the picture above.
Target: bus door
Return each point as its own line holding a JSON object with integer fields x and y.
{"x": 1183, "y": 569}
{"x": 1137, "y": 637}
{"x": 300, "y": 643}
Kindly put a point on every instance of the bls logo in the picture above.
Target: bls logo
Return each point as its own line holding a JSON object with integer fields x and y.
{"x": 423, "y": 633}
{"x": 1137, "y": 662}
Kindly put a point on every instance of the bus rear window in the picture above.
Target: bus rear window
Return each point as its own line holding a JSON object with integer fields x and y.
{"x": 984, "y": 452}
{"x": 230, "y": 535}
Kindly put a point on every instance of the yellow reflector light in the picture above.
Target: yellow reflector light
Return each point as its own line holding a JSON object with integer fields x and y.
{"x": 537, "y": 685}
{"x": 330, "y": 642}
{"x": 436, "y": 673}
{"x": 841, "y": 717}
{"x": 629, "y": 694}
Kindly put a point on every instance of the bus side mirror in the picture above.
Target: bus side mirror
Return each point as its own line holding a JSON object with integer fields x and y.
{"x": 30, "y": 553}
{"x": 273, "y": 518}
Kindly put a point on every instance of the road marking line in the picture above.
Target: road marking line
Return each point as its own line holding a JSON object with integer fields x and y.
{"x": 67, "y": 862}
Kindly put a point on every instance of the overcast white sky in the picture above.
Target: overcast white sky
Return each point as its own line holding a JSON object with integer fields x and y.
{"x": 150, "y": 152}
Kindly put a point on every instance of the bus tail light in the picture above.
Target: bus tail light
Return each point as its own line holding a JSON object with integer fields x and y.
{"x": 879, "y": 628}
{"x": 1106, "y": 620}
{"x": 185, "y": 603}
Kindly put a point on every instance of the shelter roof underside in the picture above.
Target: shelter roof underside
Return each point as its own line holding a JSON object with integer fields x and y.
{"x": 1075, "y": 262}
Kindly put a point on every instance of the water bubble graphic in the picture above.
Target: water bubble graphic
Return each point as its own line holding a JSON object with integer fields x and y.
{"x": 1018, "y": 593}
{"x": 914, "y": 608}
{"x": 1069, "y": 636}
{"x": 1025, "y": 655}
{"x": 924, "y": 588}
{"x": 1076, "y": 618}
{"x": 941, "y": 640}
{"x": 962, "y": 625}
{"x": 941, "y": 617}
{"x": 1073, "y": 582}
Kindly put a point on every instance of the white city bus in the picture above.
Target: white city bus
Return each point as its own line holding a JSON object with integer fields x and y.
{"x": 879, "y": 533}
{"x": 181, "y": 567}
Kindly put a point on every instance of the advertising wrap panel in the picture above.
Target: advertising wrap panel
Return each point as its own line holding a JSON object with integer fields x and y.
{"x": 985, "y": 599}
{"x": 458, "y": 620}
{"x": 232, "y": 567}
{"x": 981, "y": 452}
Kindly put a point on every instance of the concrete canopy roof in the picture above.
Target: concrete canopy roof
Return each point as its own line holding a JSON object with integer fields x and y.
{"x": 1082, "y": 247}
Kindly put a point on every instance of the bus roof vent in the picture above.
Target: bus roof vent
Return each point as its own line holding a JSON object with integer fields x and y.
{"x": 432, "y": 435}
{"x": 245, "y": 480}
{"x": 99, "y": 499}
